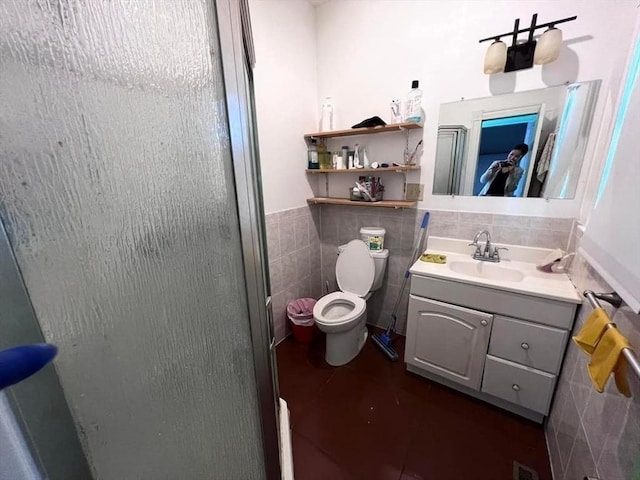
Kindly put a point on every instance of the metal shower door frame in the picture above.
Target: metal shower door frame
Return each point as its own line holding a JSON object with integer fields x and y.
{"x": 235, "y": 58}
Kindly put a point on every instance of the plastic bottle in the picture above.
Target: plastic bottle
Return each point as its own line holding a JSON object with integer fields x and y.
{"x": 312, "y": 155}
{"x": 326, "y": 121}
{"x": 414, "y": 104}
{"x": 356, "y": 157}
{"x": 396, "y": 113}
{"x": 344, "y": 163}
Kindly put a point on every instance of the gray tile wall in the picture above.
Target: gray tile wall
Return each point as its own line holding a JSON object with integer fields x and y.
{"x": 591, "y": 433}
{"x": 541, "y": 232}
{"x": 339, "y": 224}
{"x": 293, "y": 242}
{"x": 303, "y": 244}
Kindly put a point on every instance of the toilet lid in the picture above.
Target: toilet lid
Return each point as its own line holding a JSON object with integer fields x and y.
{"x": 355, "y": 269}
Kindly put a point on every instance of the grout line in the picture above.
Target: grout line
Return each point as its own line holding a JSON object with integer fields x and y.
{"x": 321, "y": 450}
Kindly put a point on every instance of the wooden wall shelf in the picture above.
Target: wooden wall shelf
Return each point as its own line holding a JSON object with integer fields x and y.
{"x": 346, "y": 201}
{"x": 394, "y": 127}
{"x": 358, "y": 171}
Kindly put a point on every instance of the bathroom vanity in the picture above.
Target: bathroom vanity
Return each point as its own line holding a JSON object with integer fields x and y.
{"x": 496, "y": 331}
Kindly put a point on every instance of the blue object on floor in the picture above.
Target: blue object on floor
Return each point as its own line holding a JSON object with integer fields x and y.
{"x": 383, "y": 340}
{"x": 19, "y": 363}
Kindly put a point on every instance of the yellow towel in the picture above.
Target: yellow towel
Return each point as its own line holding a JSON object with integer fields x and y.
{"x": 592, "y": 330}
{"x": 608, "y": 358}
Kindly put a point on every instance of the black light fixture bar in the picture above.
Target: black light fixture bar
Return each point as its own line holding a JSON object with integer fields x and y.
{"x": 531, "y": 29}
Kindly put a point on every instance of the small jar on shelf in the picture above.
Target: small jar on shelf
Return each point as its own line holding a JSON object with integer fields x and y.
{"x": 324, "y": 157}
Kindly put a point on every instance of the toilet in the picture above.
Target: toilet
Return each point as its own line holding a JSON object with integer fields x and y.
{"x": 343, "y": 315}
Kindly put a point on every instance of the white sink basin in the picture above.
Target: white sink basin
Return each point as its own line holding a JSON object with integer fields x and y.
{"x": 490, "y": 271}
{"x": 516, "y": 272}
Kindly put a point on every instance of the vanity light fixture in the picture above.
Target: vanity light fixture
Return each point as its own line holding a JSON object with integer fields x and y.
{"x": 519, "y": 56}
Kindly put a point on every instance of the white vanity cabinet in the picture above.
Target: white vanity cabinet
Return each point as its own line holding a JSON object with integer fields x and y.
{"x": 503, "y": 347}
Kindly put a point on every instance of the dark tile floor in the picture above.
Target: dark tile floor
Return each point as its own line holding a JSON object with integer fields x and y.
{"x": 371, "y": 419}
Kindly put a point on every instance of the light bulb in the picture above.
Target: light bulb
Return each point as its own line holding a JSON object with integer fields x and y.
{"x": 495, "y": 58}
{"x": 548, "y": 47}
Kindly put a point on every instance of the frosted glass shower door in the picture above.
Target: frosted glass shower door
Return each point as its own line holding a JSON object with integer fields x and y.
{"x": 119, "y": 199}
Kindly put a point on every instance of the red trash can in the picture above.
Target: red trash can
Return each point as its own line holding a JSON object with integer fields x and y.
{"x": 300, "y": 314}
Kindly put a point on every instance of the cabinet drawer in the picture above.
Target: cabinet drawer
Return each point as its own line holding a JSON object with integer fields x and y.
{"x": 518, "y": 384}
{"x": 530, "y": 344}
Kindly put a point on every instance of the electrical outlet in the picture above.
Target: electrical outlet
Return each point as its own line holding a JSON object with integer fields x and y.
{"x": 414, "y": 192}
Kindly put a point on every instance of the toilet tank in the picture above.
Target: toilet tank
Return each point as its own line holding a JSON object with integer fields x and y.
{"x": 380, "y": 258}
{"x": 380, "y": 261}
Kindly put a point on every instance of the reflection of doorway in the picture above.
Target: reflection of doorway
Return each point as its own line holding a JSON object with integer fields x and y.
{"x": 497, "y": 137}
{"x": 481, "y": 120}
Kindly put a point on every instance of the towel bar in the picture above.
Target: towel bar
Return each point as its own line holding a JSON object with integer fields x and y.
{"x": 615, "y": 300}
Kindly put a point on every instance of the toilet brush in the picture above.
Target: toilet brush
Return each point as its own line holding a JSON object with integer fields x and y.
{"x": 383, "y": 340}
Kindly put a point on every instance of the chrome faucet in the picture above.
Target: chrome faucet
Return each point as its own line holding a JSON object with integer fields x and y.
{"x": 489, "y": 253}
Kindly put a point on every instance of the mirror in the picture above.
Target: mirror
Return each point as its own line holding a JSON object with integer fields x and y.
{"x": 475, "y": 153}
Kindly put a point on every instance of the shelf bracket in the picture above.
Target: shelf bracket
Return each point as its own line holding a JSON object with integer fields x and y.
{"x": 406, "y": 146}
{"x": 326, "y": 184}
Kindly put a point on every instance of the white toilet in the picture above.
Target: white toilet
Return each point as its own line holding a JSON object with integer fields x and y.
{"x": 343, "y": 315}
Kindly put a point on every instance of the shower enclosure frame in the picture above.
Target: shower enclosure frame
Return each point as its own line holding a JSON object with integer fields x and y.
{"x": 236, "y": 45}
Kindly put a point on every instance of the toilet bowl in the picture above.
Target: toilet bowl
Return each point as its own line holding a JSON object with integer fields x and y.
{"x": 343, "y": 315}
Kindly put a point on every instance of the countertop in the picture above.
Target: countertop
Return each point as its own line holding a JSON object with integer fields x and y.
{"x": 554, "y": 286}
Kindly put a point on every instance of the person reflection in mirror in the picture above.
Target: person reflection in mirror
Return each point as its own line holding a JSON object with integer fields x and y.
{"x": 502, "y": 177}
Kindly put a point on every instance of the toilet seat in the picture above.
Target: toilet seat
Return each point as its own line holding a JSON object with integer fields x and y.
{"x": 354, "y": 305}
{"x": 355, "y": 272}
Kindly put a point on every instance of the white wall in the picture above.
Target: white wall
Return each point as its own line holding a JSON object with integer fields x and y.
{"x": 286, "y": 97}
{"x": 369, "y": 51}
{"x": 611, "y": 98}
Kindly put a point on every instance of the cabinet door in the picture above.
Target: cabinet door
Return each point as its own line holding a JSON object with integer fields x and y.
{"x": 447, "y": 340}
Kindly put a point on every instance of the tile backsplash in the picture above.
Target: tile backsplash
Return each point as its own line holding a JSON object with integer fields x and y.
{"x": 542, "y": 232}
{"x": 340, "y": 224}
{"x": 303, "y": 245}
{"x": 590, "y": 433}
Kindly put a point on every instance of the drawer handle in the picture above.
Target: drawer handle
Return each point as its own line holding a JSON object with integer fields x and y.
{"x": 525, "y": 346}
{"x": 516, "y": 387}
{"x": 484, "y": 323}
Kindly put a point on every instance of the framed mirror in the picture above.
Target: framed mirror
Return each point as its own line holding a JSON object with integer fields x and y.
{"x": 525, "y": 144}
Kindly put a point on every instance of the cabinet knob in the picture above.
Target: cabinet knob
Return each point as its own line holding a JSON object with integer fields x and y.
{"x": 484, "y": 323}
{"x": 516, "y": 387}
{"x": 525, "y": 345}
